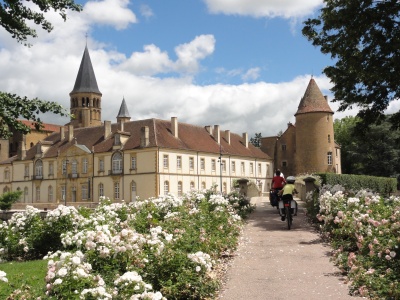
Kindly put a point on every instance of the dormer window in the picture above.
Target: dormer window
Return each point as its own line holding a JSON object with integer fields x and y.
{"x": 117, "y": 139}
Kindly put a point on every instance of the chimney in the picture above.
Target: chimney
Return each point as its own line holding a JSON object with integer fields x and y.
{"x": 62, "y": 133}
{"x": 107, "y": 129}
{"x": 217, "y": 134}
{"x": 174, "y": 126}
{"x": 208, "y": 128}
{"x": 228, "y": 136}
{"x": 245, "y": 139}
{"x": 144, "y": 136}
{"x": 70, "y": 132}
{"x": 326, "y": 98}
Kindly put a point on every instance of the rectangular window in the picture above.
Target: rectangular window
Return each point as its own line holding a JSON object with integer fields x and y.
{"x": 133, "y": 163}
{"x": 259, "y": 170}
{"x": 180, "y": 188}
{"x": 51, "y": 168}
{"x": 101, "y": 190}
{"x": 251, "y": 168}
{"x": 330, "y": 158}
{"x": 50, "y": 196}
{"x": 191, "y": 163}
{"x": 63, "y": 192}
{"x": 165, "y": 161}
{"x": 37, "y": 193}
{"x": 283, "y": 147}
{"x": 223, "y": 165}
{"x": 202, "y": 164}
{"x": 233, "y": 167}
{"x": 213, "y": 165}
{"x": 166, "y": 187}
{"x": 284, "y": 164}
{"x": 84, "y": 192}
{"x": 179, "y": 162}
{"x": 85, "y": 165}
{"x": 116, "y": 190}
{"x": 26, "y": 171}
{"x": 242, "y": 168}
{"x": 101, "y": 165}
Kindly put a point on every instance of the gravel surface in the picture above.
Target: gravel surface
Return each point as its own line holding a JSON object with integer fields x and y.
{"x": 273, "y": 262}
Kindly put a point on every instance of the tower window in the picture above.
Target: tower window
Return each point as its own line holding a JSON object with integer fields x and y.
{"x": 329, "y": 138}
{"x": 329, "y": 158}
{"x": 283, "y": 147}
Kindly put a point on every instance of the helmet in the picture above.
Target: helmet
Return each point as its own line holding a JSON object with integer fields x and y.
{"x": 291, "y": 179}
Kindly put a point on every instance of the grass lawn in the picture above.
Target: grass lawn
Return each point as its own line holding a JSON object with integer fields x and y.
{"x": 28, "y": 274}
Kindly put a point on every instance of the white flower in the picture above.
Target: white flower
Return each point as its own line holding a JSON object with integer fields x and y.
{"x": 57, "y": 281}
{"x": 198, "y": 269}
{"x": 62, "y": 272}
{"x": 3, "y": 276}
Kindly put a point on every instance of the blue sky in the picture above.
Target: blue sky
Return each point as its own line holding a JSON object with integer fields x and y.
{"x": 240, "y": 64}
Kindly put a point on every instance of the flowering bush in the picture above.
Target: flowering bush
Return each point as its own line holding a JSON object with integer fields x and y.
{"x": 364, "y": 231}
{"x": 158, "y": 248}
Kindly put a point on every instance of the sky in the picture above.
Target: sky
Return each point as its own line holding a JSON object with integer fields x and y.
{"x": 240, "y": 64}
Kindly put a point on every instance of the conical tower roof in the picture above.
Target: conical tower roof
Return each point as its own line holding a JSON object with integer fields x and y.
{"x": 86, "y": 80}
{"x": 123, "y": 110}
{"x": 313, "y": 100}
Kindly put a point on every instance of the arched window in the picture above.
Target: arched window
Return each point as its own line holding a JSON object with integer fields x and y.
{"x": 39, "y": 169}
{"x": 6, "y": 189}
{"x": 203, "y": 185}
{"x": 180, "y": 188}
{"x": 101, "y": 190}
{"x": 117, "y": 163}
{"x": 166, "y": 187}
{"x": 133, "y": 191}
{"x": 192, "y": 185}
{"x": 224, "y": 187}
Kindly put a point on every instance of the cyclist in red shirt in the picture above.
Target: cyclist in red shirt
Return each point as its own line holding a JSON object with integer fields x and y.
{"x": 277, "y": 184}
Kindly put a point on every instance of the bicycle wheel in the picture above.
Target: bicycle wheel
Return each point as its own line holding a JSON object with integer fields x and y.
{"x": 288, "y": 217}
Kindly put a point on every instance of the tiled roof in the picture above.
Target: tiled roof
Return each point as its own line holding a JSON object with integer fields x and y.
{"x": 313, "y": 100}
{"x": 86, "y": 80}
{"x": 46, "y": 127}
{"x": 190, "y": 137}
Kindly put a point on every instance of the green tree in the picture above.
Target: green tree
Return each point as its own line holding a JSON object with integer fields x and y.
{"x": 363, "y": 38}
{"x": 14, "y": 16}
{"x": 375, "y": 152}
{"x": 256, "y": 140}
{"x": 8, "y": 198}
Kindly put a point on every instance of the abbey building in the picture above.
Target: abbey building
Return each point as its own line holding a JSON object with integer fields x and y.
{"x": 89, "y": 157}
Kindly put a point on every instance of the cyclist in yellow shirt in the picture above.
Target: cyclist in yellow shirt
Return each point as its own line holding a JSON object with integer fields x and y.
{"x": 287, "y": 194}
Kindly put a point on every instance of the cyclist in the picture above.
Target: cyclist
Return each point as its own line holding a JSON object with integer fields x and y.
{"x": 277, "y": 184}
{"x": 287, "y": 195}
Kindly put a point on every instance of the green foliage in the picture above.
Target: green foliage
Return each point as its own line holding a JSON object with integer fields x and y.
{"x": 362, "y": 37}
{"x": 14, "y": 107}
{"x": 256, "y": 140}
{"x": 375, "y": 151}
{"x": 14, "y": 16}
{"x": 8, "y": 199}
{"x": 382, "y": 185}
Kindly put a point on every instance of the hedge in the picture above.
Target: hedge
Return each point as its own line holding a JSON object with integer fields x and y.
{"x": 381, "y": 185}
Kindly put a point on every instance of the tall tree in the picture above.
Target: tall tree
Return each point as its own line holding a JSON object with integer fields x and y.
{"x": 14, "y": 15}
{"x": 363, "y": 38}
{"x": 375, "y": 152}
{"x": 256, "y": 140}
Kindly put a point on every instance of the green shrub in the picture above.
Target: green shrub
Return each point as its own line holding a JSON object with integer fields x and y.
{"x": 382, "y": 185}
{"x": 8, "y": 199}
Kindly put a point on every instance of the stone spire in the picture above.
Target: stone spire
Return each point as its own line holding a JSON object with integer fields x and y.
{"x": 86, "y": 80}
{"x": 313, "y": 100}
{"x": 123, "y": 110}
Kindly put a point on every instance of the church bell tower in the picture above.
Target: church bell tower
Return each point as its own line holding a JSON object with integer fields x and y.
{"x": 85, "y": 98}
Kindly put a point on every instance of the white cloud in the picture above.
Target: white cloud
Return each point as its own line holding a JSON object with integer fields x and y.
{"x": 189, "y": 54}
{"x": 264, "y": 8}
{"x": 251, "y": 74}
{"x": 146, "y": 11}
{"x": 110, "y": 12}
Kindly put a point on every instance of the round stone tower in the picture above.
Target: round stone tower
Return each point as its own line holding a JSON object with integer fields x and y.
{"x": 85, "y": 98}
{"x": 315, "y": 143}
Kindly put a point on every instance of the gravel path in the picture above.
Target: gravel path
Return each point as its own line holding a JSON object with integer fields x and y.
{"x": 275, "y": 263}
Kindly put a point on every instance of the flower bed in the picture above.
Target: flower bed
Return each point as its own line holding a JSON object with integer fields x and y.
{"x": 166, "y": 247}
{"x": 364, "y": 230}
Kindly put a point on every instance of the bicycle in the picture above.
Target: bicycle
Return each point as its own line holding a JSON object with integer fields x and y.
{"x": 288, "y": 207}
